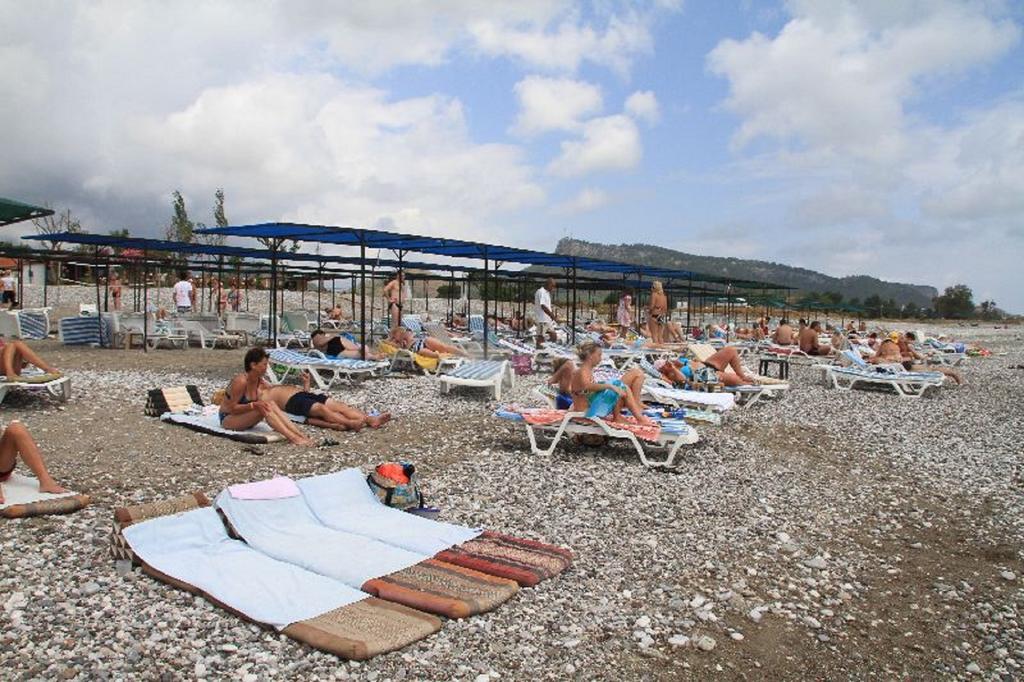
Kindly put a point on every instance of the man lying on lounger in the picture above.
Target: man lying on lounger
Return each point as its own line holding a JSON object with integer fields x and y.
{"x": 319, "y": 409}
{"x": 424, "y": 345}
{"x": 243, "y": 408}
{"x": 14, "y": 355}
{"x": 15, "y": 441}
{"x": 336, "y": 345}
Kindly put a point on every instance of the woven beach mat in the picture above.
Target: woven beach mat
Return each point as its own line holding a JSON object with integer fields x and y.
{"x": 443, "y": 588}
{"x": 174, "y": 399}
{"x": 357, "y": 631}
{"x": 525, "y": 561}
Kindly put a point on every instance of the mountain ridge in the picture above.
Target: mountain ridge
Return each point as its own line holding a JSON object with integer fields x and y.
{"x": 804, "y": 279}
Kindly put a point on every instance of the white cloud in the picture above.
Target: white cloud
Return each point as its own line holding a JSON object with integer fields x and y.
{"x": 609, "y": 143}
{"x": 854, "y": 146}
{"x": 643, "y": 106}
{"x": 565, "y": 46}
{"x": 588, "y": 199}
{"x": 554, "y": 104}
{"x": 839, "y": 75}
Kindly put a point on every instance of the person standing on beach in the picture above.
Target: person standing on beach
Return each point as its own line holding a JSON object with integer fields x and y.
{"x": 393, "y": 292}
{"x": 624, "y": 313}
{"x": 115, "y": 289}
{"x": 184, "y": 293}
{"x": 656, "y": 312}
{"x": 543, "y": 313}
{"x": 10, "y": 287}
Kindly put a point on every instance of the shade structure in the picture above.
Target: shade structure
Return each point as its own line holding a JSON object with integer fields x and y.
{"x": 12, "y": 211}
{"x": 401, "y": 243}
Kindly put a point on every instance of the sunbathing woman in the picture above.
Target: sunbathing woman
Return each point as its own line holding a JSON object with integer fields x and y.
{"x": 337, "y": 345}
{"x": 16, "y": 440}
{"x": 914, "y": 361}
{"x": 727, "y": 363}
{"x": 320, "y": 409}
{"x": 242, "y": 407}
{"x": 14, "y": 355}
{"x": 564, "y": 369}
{"x": 427, "y": 346}
{"x": 584, "y": 388}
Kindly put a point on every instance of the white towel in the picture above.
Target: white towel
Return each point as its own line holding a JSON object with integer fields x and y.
{"x": 194, "y": 547}
{"x": 344, "y": 501}
{"x": 287, "y": 530}
{"x": 20, "y": 489}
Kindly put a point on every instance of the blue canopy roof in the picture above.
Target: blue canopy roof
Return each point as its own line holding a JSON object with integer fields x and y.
{"x": 457, "y": 248}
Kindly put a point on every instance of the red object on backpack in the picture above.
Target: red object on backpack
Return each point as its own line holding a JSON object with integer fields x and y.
{"x": 394, "y": 471}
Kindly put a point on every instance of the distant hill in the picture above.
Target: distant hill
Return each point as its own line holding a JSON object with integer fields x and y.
{"x": 857, "y": 286}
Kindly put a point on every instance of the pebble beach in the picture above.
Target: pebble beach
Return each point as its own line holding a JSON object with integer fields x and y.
{"x": 826, "y": 534}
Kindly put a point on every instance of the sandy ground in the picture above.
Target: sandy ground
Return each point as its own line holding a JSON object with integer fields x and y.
{"x": 826, "y": 535}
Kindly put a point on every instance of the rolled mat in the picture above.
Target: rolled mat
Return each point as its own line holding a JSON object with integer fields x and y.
{"x": 23, "y": 499}
{"x": 362, "y": 627}
{"x": 443, "y": 588}
{"x": 525, "y": 561}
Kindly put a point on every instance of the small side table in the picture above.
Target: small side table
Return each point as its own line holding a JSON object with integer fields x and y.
{"x": 765, "y": 363}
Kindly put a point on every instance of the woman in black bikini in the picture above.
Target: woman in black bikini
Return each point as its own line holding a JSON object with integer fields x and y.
{"x": 242, "y": 407}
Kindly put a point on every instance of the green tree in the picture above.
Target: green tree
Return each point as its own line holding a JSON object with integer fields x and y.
{"x": 446, "y": 290}
{"x": 220, "y": 219}
{"x": 957, "y": 302}
{"x": 180, "y": 228}
{"x": 831, "y": 297}
{"x": 912, "y": 310}
{"x": 54, "y": 224}
{"x": 873, "y": 305}
{"x": 988, "y": 310}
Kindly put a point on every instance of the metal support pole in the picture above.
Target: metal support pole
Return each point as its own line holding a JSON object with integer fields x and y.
{"x": 319, "y": 289}
{"x": 96, "y": 280}
{"x": 273, "y": 295}
{"x": 145, "y": 302}
{"x": 486, "y": 267}
{"x": 362, "y": 296}
{"x": 573, "y": 315}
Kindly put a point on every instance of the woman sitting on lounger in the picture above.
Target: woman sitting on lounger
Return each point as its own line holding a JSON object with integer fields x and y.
{"x": 15, "y": 355}
{"x": 426, "y": 346}
{"x": 584, "y": 388}
{"x": 243, "y": 409}
{"x": 336, "y": 345}
{"x": 16, "y": 440}
{"x": 320, "y": 409}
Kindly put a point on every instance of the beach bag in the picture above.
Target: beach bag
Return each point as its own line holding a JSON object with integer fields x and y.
{"x": 522, "y": 364}
{"x": 395, "y": 485}
{"x": 706, "y": 375}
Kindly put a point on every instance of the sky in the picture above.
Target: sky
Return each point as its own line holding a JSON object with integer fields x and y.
{"x": 870, "y": 137}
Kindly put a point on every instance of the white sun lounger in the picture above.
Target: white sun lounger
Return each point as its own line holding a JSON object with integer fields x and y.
{"x": 208, "y": 339}
{"x": 859, "y": 373}
{"x": 492, "y": 374}
{"x": 675, "y": 433}
{"x": 32, "y": 380}
{"x": 325, "y": 371}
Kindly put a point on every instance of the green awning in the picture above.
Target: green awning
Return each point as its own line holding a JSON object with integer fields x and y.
{"x": 15, "y": 211}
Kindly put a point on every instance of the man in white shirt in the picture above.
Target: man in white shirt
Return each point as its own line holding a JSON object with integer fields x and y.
{"x": 184, "y": 294}
{"x": 543, "y": 312}
{"x": 10, "y": 288}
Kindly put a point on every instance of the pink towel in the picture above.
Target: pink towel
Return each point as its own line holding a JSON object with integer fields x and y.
{"x": 273, "y": 489}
